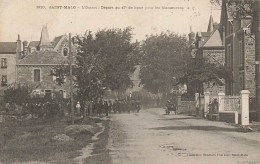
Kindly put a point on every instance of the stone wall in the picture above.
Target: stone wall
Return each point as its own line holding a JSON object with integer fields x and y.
{"x": 186, "y": 107}
{"x": 216, "y": 57}
{"x": 25, "y": 76}
{"x": 250, "y": 64}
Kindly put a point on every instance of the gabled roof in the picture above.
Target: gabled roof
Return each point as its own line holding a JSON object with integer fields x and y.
{"x": 43, "y": 57}
{"x": 34, "y": 44}
{"x": 56, "y": 40}
{"x": 214, "y": 40}
{"x": 8, "y": 47}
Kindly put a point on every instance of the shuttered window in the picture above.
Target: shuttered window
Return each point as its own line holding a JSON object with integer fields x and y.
{"x": 37, "y": 75}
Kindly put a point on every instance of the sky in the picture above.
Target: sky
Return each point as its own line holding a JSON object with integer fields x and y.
{"x": 146, "y": 17}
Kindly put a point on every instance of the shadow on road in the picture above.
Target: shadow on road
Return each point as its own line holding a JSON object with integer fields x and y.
{"x": 203, "y": 128}
{"x": 184, "y": 118}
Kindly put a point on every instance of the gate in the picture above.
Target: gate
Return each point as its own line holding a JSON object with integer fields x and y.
{"x": 232, "y": 103}
{"x": 212, "y": 113}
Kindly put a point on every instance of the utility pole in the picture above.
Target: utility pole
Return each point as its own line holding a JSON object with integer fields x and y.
{"x": 257, "y": 56}
{"x": 71, "y": 79}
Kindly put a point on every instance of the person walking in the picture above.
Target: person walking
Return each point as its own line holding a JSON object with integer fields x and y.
{"x": 78, "y": 108}
{"x": 106, "y": 107}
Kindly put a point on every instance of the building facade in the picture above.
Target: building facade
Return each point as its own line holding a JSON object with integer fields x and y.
{"x": 209, "y": 45}
{"x": 8, "y": 58}
{"x": 36, "y": 65}
{"x": 239, "y": 50}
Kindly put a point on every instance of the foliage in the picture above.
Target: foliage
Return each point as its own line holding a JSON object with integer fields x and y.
{"x": 60, "y": 72}
{"x": 163, "y": 61}
{"x": 241, "y": 8}
{"x": 200, "y": 71}
{"x": 104, "y": 61}
{"x": 17, "y": 94}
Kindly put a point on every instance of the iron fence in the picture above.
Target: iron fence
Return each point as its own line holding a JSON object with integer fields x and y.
{"x": 232, "y": 103}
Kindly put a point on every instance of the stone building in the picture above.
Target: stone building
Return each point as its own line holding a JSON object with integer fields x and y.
{"x": 38, "y": 61}
{"x": 239, "y": 50}
{"x": 8, "y": 58}
{"x": 209, "y": 45}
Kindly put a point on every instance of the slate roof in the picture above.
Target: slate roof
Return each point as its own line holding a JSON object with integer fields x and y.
{"x": 56, "y": 40}
{"x": 214, "y": 40}
{"x": 7, "y": 47}
{"x": 43, "y": 57}
{"x": 33, "y": 44}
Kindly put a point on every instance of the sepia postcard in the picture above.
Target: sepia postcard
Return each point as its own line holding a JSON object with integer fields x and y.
{"x": 128, "y": 82}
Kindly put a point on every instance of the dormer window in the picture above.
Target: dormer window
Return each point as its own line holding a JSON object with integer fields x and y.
{"x": 65, "y": 51}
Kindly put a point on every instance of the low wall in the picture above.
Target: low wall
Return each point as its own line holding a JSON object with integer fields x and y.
{"x": 228, "y": 116}
{"x": 187, "y": 107}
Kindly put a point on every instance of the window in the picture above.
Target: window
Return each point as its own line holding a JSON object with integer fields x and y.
{"x": 4, "y": 63}
{"x": 65, "y": 51}
{"x": 48, "y": 94}
{"x": 62, "y": 93}
{"x": 37, "y": 75}
{"x": 4, "y": 80}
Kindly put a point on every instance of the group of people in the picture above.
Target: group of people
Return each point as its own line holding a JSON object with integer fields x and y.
{"x": 38, "y": 108}
{"x": 108, "y": 106}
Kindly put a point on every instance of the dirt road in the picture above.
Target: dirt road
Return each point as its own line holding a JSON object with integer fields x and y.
{"x": 151, "y": 137}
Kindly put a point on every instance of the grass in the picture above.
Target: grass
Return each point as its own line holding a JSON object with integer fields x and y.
{"x": 31, "y": 140}
{"x": 100, "y": 154}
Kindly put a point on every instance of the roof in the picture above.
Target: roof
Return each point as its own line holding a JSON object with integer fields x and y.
{"x": 45, "y": 40}
{"x": 33, "y": 44}
{"x": 43, "y": 57}
{"x": 205, "y": 36}
{"x": 56, "y": 40}
{"x": 8, "y": 47}
{"x": 214, "y": 40}
{"x": 211, "y": 24}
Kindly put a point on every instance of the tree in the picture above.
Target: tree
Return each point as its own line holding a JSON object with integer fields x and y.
{"x": 241, "y": 8}
{"x": 201, "y": 71}
{"x": 17, "y": 94}
{"x": 104, "y": 61}
{"x": 163, "y": 60}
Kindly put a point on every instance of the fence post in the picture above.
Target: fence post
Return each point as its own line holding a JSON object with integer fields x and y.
{"x": 244, "y": 107}
{"x": 197, "y": 103}
{"x": 221, "y": 102}
{"x": 206, "y": 103}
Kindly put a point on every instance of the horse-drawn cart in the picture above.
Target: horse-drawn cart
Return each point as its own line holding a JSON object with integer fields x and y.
{"x": 170, "y": 107}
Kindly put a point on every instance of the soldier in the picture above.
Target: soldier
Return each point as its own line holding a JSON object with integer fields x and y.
{"x": 106, "y": 107}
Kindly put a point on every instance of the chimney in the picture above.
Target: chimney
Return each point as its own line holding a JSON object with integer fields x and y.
{"x": 25, "y": 48}
{"x": 19, "y": 48}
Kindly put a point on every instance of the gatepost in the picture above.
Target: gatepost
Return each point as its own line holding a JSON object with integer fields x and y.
{"x": 244, "y": 107}
{"x": 221, "y": 102}
{"x": 197, "y": 103}
{"x": 206, "y": 103}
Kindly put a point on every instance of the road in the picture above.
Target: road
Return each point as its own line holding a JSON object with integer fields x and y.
{"x": 151, "y": 137}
